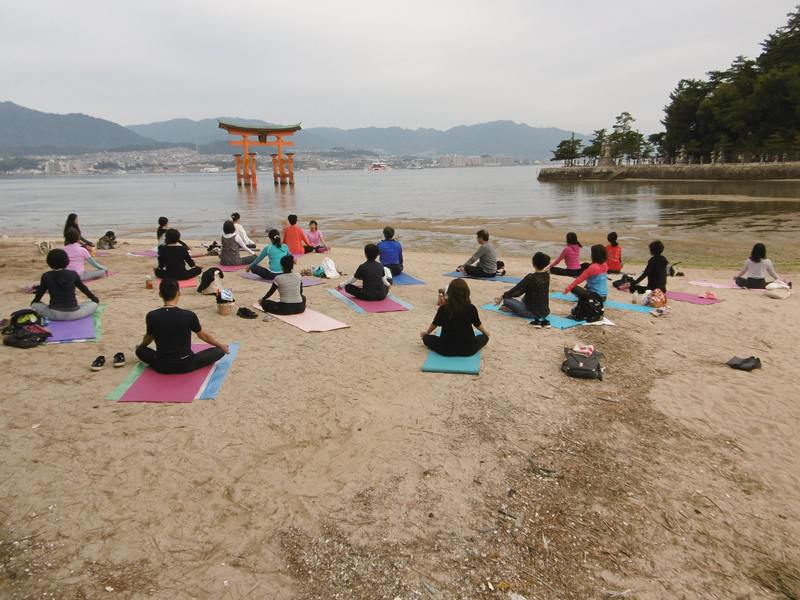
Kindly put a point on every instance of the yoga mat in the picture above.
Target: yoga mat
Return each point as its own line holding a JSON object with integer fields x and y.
{"x": 103, "y": 253}
{"x": 436, "y": 363}
{"x": 690, "y": 298}
{"x": 607, "y": 304}
{"x": 146, "y": 253}
{"x": 108, "y": 274}
{"x": 307, "y": 281}
{"x": 87, "y": 329}
{"x": 146, "y": 385}
{"x": 388, "y": 304}
{"x": 182, "y": 283}
{"x": 503, "y": 278}
{"x": 309, "y": 320}
{"x": 728, "y": 285}
{"x": 555, "y": 320}
{"x": 406, "y": 279}
{"x": 229, "y": 268}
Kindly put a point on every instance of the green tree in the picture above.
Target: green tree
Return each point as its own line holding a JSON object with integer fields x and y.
{"x": 568, "y": 150}
{"x": 595, "y": 147}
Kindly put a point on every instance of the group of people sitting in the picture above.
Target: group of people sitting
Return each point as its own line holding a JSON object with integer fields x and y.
{"x": 171, "y": 327}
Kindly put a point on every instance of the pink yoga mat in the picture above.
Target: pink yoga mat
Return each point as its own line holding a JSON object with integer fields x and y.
{"x": 184, "y": 283}
{"x": 375, "y": 306}
{"x": 690, "y": 298}
{"x": 146, "y": 253}
{"x": 151, "y": 386}
{"x": 311, "y": 320}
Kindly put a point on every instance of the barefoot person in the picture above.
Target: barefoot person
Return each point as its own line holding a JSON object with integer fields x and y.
{"x": 485, "y": 257}
{"x": 173, "y": 258}
{"x": 60, "y": 284}
{"x": 171, "y": 329}
{"x": 535, "y": 304}
{"x": 78, "y": 255}
{"x": 456, "y": 318}
{"x": 273, "y": 252}
{"x": 655, "y": 271}
{"x": 374, "y": 283}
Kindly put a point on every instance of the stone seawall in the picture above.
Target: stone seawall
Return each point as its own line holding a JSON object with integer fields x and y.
{"x": 729, "y": 172}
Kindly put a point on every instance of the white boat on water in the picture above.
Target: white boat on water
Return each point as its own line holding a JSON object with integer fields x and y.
{"x": 378, "y": 166}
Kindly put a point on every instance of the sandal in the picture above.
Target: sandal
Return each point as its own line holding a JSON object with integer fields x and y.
{"x": 119, "y": 360}
{"x": 98, "y": 363}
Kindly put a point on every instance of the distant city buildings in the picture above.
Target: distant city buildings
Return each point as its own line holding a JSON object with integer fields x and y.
{"x": 188, "y": 160}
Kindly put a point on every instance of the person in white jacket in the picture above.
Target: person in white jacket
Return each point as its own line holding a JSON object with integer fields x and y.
{"x": 235, "y": 217}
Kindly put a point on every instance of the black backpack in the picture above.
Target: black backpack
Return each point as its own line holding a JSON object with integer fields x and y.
{"x": 589, "y": 308}
{"x": 582, "y": 366}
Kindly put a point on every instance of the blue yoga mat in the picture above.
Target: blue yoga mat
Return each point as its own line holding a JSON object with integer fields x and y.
{"x": 406, "y": 279}
{"x": 221, "y": 369}
{"x": 606, "y": 304}
{"x": 503, "y": 278}
{"x": 555, "y": 320}
{"x": 436, "y": 363}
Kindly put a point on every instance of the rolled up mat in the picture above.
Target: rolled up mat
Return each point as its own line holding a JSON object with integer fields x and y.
{"x": 406, "y": 279}
{"x": 146, "y": 385}
{"x": 388, "y": 304}
{"x": 503, "y": 278}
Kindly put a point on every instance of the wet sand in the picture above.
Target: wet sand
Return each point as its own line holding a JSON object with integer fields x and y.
{"x": 331, "y": 467}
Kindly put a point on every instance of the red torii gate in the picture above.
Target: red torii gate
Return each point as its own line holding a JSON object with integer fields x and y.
{"x": 282, "y": 165}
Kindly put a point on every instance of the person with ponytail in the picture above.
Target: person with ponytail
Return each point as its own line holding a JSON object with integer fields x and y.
{"x": 457, "y": 316}
{"x": 273, "y": 252}
{"x": 614, "y": 252}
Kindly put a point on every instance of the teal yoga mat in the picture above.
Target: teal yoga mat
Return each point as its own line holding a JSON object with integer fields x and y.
{"x": 467, "y": 365}
{"x": 608, "y": 303}
{"x": 503, "y": 278}
{"x": 555, "y": 320}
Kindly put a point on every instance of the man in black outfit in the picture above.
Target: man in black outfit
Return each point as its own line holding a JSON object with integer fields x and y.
{"x": 375, "y": 286}
{"x": 171, "y": 328}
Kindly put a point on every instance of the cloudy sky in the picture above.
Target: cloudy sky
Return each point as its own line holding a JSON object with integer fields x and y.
{"x": 349, "y": 63}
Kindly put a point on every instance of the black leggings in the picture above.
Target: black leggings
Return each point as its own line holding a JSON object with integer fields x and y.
{"x": 752, "y": 283}
{"x": 440, "y": 346}
{"x": 283, "y": 308}
{"x": 188, "y": 274}
{"x": 566, "y": 272}
{"x": 187, "y": 365}
{"x": 583, "y": 292}
{"x": 474, "y": 271}
{"x": 358, "y": 292}
{"x": 262, "y": 272}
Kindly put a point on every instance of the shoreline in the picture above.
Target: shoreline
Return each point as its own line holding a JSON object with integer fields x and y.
{"x": 744, "y": 172}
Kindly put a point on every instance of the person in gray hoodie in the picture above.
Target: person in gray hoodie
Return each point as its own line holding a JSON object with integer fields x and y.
{"x": 485, "y": 257}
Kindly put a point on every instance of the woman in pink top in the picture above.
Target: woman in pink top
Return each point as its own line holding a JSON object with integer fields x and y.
{"x": 315, "y": 238}
{"x": 571, "y": 255}
{"x": 78, "y": 254}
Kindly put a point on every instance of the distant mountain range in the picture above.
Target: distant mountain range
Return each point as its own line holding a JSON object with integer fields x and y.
{"x": 497, "y": 137}
{"x": 26, "y": 131}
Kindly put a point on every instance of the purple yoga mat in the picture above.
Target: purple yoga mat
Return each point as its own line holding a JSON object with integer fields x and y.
{"x": 147, "y": 253}
{"x": 69, "y": 331}
{"x": 690, "y": 298}
{"x": 307, "y": 281}
{"x": 151, "y": 386}
{"x": 230, "y": 268}
{"x": 375, "y": 306}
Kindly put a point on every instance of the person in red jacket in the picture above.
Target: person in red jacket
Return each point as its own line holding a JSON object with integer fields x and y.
{"x": 295, "y": 237}
{"x": 614, "y": 251}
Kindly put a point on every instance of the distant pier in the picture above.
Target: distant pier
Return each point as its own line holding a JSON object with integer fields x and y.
{"x": 718, "y": 172}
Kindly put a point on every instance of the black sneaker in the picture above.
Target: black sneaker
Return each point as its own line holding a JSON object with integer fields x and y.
{"x": 544, "y": 323}
{"x": 537, "y": 323}
{"x": 119, "y": 360}
{"x": 98, "y": 363}
{"x": 246, "y": 313}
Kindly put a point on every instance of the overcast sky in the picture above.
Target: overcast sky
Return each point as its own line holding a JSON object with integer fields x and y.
{"x": 349, "y": 63}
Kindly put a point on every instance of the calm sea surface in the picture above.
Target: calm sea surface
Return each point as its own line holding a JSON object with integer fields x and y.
{"x": 197, "y": 203}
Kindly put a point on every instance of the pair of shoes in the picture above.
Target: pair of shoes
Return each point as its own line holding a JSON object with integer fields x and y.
{"x": 541, "y": 323}
{"x": 246, "y": 313}
{"x": 100, "y": 362}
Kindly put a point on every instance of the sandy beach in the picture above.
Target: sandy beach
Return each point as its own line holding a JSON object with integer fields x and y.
{"x": 329, "y": 466}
